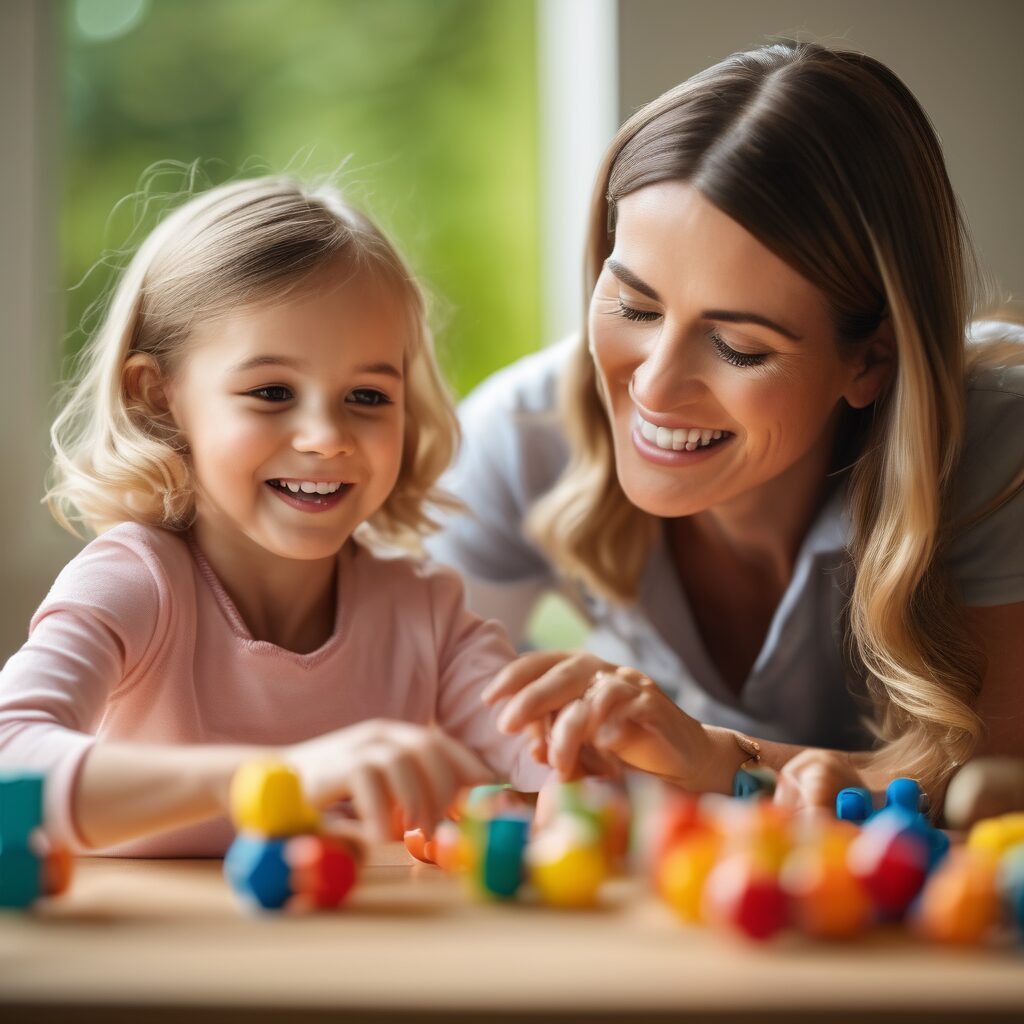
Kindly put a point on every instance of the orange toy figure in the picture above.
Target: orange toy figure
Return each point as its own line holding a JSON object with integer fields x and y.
{"x": 683, "y": 870}
{"x": 960, "y": 902}
{"x": 826, "y": 899}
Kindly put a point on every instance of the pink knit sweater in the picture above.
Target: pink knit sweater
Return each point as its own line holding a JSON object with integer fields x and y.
{"x": 138, "y": 641}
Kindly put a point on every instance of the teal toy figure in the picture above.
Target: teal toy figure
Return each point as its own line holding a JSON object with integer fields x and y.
{"x": 32, "y": 865}
{"x": 495, "y": 828}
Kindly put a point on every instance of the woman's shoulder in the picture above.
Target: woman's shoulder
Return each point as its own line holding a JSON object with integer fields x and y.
{"x": 987, "y": 553}
{"x": 529, "y": 385}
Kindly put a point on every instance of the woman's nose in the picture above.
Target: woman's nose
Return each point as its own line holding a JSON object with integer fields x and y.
{"x": 670, "y": 374}
{"x": 324, "y": 432}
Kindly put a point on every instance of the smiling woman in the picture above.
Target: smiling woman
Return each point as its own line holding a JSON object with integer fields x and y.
{"x": 771, "y": 471}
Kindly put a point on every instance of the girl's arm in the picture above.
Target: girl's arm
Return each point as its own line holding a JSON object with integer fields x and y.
{"x": 125, "y": 791}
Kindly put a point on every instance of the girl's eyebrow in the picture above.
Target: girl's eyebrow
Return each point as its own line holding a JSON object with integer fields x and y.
{"x": 385, "y": 369}
{"x": 627, "y": 277}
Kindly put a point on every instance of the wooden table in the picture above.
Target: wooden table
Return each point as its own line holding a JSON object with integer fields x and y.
{"x": 155, "y": 941}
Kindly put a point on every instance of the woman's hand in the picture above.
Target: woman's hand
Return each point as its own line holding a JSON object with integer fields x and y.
{"x": 813, "y": 779}
{"x": 589, "y": 717}
{"x": 387, "y": 768}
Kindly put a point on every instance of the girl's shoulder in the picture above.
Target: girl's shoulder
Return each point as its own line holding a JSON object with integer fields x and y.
{"x": 126, "y": 572}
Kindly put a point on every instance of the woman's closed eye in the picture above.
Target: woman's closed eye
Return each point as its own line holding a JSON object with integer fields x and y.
{"x": 724, "y": 350}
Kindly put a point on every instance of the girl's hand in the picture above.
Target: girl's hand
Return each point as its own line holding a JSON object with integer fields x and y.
{"x": 383, "y": 765}
{"x": 813, "y": 779}
{"x": 589, "y": 716}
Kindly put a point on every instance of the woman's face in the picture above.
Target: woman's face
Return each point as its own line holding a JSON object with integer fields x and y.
{"x": 718, "y": 360}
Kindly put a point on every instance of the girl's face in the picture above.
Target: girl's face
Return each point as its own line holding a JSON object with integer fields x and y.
{"x": 293, "y": 413}
{"x": 717, "y": 359}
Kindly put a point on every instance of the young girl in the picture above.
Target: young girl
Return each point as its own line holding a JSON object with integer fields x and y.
{"x": 262, "y": 392}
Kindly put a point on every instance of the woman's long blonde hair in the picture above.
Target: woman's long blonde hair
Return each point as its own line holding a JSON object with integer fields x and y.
{"x": 115, "y": 460}
{"x": 829, "y": 161}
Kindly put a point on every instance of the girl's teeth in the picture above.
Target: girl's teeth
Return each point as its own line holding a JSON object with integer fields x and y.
{"x": 294, "y": 488}
{"x": 688, "y": 438}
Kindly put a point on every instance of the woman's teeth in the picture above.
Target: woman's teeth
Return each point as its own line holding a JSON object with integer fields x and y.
{"x": 688, "y": 438}
{"x": 305, "y": 486}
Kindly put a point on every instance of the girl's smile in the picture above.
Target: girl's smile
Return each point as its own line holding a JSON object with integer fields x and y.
{"x": 310, "y": 495}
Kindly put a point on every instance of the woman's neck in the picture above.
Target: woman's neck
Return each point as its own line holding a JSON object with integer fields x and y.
{"x": 283, "y": 601}
{"x": 765, "y": 528}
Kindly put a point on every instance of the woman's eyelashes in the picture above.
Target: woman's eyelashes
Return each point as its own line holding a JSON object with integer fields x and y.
{"x": 724, "y": 350}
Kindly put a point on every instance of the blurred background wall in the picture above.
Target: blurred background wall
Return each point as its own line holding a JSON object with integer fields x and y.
{"x": 470, "y": 128}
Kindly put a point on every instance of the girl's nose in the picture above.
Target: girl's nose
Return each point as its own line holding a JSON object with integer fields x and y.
{"x": 670, "y": 374}
{"x": 325, "y": 433}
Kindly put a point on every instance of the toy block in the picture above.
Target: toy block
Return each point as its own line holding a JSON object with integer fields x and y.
{"x": 266, "y": 798}
{"x": 323, "y": 869}
{"x": 257, "y": 870}
{"x": 21, "y": 805}
{"x": 568, "y": 862}
{"x": 683, "y": 871}
{"x": 826, "y": 899}
{"x": 742, "y": 895}
{"x": 754, "y": 783}
{"x": 984, "y": 788}
{"x": 960, "y": 902}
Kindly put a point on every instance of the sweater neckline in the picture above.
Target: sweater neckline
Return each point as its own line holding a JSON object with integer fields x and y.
{"x": 342, "y": 604}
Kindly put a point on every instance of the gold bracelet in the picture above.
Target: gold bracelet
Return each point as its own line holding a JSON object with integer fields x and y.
{"x": 749, "y": 747}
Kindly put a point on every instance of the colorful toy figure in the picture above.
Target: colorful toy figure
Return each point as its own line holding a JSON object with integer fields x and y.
{"x": 280, "y": 857}
{"x": 32, "y": 865}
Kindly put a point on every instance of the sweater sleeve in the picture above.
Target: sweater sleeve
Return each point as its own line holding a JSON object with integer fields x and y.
{"x": 471, "y": 651}
{"x": 89, "y": 638}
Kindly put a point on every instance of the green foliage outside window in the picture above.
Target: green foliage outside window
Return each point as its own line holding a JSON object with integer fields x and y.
{"x": 428, "y": 106}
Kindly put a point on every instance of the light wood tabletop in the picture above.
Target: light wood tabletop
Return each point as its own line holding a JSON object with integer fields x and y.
{"x": 165, "y": 940}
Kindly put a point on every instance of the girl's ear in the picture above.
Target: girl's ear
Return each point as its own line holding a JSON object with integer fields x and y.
{"x": 874, "y": 368}
{"x": 145, "y": 387}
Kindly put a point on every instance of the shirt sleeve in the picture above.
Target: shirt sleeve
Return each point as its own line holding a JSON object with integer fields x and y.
{"x": 471, "y": 651}
{"x": 512, "y": 451}
{"x": 987, "y": 558}
{"x": 89, "y": 637}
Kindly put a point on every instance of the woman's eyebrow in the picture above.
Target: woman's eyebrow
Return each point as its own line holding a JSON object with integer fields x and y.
{"x": 627, "y": 277}
{"x": 736, "y": 317}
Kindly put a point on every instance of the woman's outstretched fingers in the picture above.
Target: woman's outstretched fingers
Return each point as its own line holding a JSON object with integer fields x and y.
{"x": 563, "y": 682}
{"x": 567, "y": 737}
{"x": 519, "y": 673}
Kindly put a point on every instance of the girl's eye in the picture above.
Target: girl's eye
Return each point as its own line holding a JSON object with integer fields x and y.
{"x": 637, "y": 315}
{"x": 730, "y": 355}
{"x": 272, "y": 393}
{"x": 369, "y": 396}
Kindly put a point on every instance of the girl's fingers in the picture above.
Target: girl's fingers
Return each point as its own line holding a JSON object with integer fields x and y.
{"x": 564, "y": 682}
{"x": 519, "y": 673}
{"x": 439, "y": 776}
{"x": 469, "y": 769}
{"x": 370, "y": 799}
{"x": 409, "y": 790}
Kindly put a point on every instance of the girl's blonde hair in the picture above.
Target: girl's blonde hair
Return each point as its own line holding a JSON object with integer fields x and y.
{"x": 829, "y": 161}
{"x": 244, "y": 242}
